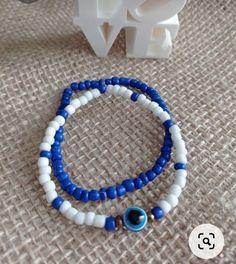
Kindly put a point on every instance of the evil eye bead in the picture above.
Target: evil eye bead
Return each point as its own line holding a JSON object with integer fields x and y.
{"x": 135, "y": 219}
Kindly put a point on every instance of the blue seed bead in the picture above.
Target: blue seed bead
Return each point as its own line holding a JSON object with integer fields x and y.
{"x": 63, "y": 113}
{"x": 102, "y": 86}
{"x": 77, "y": 193}
{"x": 143, "y": 87}
{"x": 157, "y": 212}
{"x": 144, "y": 178}
{"x": 57, "y": 156}
{"x": 58, "y": 171}
{"x": 84, "y": 196}
{"x": 180, "y": 166}
{"x": 166, "y": 149}
{"x": 81, "y": 86}
{"x": 111, "y": 192}
{"x": 65, "y": 183}
{"x": 166, "y": 156}
{"x": 56, "y": 150}
{"x": 64, "y": 103}
{"x": 120, "y": 189}
{"x": 71, "y": 188}
{"x": 65, "y": 97}
{"x": 93, "y": 195}
{"x": 108, "y": 81}
{"x": 94, "y": 84}
{"x": 60, "y": 130}
{"x": 129, "y": 185}
{"x": 133, "y": 82}
{"x": 46, "y": 154}
{"x": 57, "y": 163}
{"x": 68, "y": 91}
{"x": 110, "y": 224}
{"x": 103, "y": 194}
{"x": 74, "y": 86}
{"x": 157, "y": 169}
{"x": 150, "y": 91}
{"x": 87, "y": 84}
{"x": 161, "y": 161}
{"x": 134, "y": 97}
{"x": 151, "y": 175}
{"x": 115, "y": 80}
{"x": 56, "y": 144}
{"x": 59, "y": 137}
{"x": 62, "y": 176}
{"x": 138, "y": 84}
{"x": 168, "y": 123}
{"x": 124, "y": 81}
{"x": 168, "y": 142}
{"x": 57, "y": 202}
{"x": 138, "y": 183}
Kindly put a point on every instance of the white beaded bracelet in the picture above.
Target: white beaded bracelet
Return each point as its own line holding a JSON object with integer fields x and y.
{"x": 134, "y": 219}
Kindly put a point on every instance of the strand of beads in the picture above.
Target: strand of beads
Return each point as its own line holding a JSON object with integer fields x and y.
{"x": 112, "y": 192}
{"x": 134, "y": 219}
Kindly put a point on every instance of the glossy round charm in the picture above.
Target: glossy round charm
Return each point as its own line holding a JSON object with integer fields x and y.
{"x": 135, "y": 219}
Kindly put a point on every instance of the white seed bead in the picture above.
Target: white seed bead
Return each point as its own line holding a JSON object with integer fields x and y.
{"x": 179, "y": 143}
{"x": 64, "y": 207}
{"x": 70, "y": 213}
{"x": 45, "y": 170}
{"x": 70, "y": 109}
{"x": 50, "y": 196}
{"x": 110, "y": 89}
{"x": 172, "y": 200}
{"x": 89, "y": 218}
{"x": 96, "y": 93}
{"x": 79, "y": 218}
{"x": 50, "y": 131}
{"x": 60, "y": 119}
{"x": 174, "y": 129}
{"x": 181, "y": 158}
{"x": 175, "y": 190}
{"x": 181, "y": 181}
{"x": 164, "y": 116}
{"x": 83, "y": 100}
{"x": 181, "y": 173}
{"x": 45, "y": 146}
{"x": 88, "y": 95}
{"x": 49, "y": 139}
{"x": 122, "y": 90}
{"x": 181, "y": 150}
{"x": 43, "y": 178}
{"x": 145, "y": 103}
{"x": 49, "y": 186}
{"x": 176, "y": 137}
{"x": 165, "y": 206}
{"x": 128, "y": 94}
{"x": 141, "y": 98}
{"x": 76, "y": 103}
{"x": 42, "y": 162}
{"x": 157, "y": 111}
{"x": 116, "y": 89}
{"x": 99, "y": 221}
{"x": 152, "y": 106}
{"x": 54, "y": 124}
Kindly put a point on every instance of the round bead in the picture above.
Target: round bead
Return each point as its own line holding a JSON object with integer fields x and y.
{"x": 138, "y": 184}
{"x": 175, "y": 190}
{"x": 54, "y": 124}
{"x": 84, "y": 196}
{"x": 180, "y": 166}
{"x": 93, "y": 195}
{"x": 42, "y": 162}
{"x": 103, "y": 194}
{"x": 45, "y": 146}
{"x": 57, "y": 202}
{"x": 48, "y": 139}
{"x": 50, "y": 196}
{"x": 135, "y": 219}
{"x": 99, "y": 221}
{"x": 83, "y": 100}
{"x": 165, "y": 206}
{"x": 89, "y": 218}
{"x": 79, "y": 218}
{"x": 122, "y": 90}
{"x": 181, "y": 158}
{"x": 71, "y": 213}
{"x": 50, "y": 131}
{"x": 77, "y": 193}
{"x": 144, "y": 178}
{"x": 181, "y": 173}
{"x": 151, "y": 175}
{"x": 75, "y": 103}
{"x": 164, "y": 116}
{"x": 181, "y": 181}
{"x": 120, "y": 189}
{"x": 45, "y": 170}
{"x": 172, "y": 200}
{"x": 49, "y": 186}
{"x": 158, "y": 213}
{"x": 70, "y": 109}
{"x": 64, "y": 207}
{"x": 45, "y": 154}
{"x": 110, "y": 224}
{"x": 43, "y": 178}
{"x": 96, "y": 93}
{"x": 60, "y": 120}
{"x": 111, "y": 192}
{"x": 88, "y": 95}
{"x": 129, "y": 185}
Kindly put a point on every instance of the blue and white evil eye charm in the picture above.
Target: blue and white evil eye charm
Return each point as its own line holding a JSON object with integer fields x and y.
{"x": 134, "y": 219}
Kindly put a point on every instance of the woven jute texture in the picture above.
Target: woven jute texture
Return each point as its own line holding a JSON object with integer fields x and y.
{"x": 41, "y": 52}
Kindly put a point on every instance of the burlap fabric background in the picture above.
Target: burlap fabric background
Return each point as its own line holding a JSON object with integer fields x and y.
{"x": 109, "y": 140}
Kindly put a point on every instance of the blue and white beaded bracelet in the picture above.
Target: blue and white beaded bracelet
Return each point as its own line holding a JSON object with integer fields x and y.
{"x": 134, "y": 219}
{"x": 111, "y": 192}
